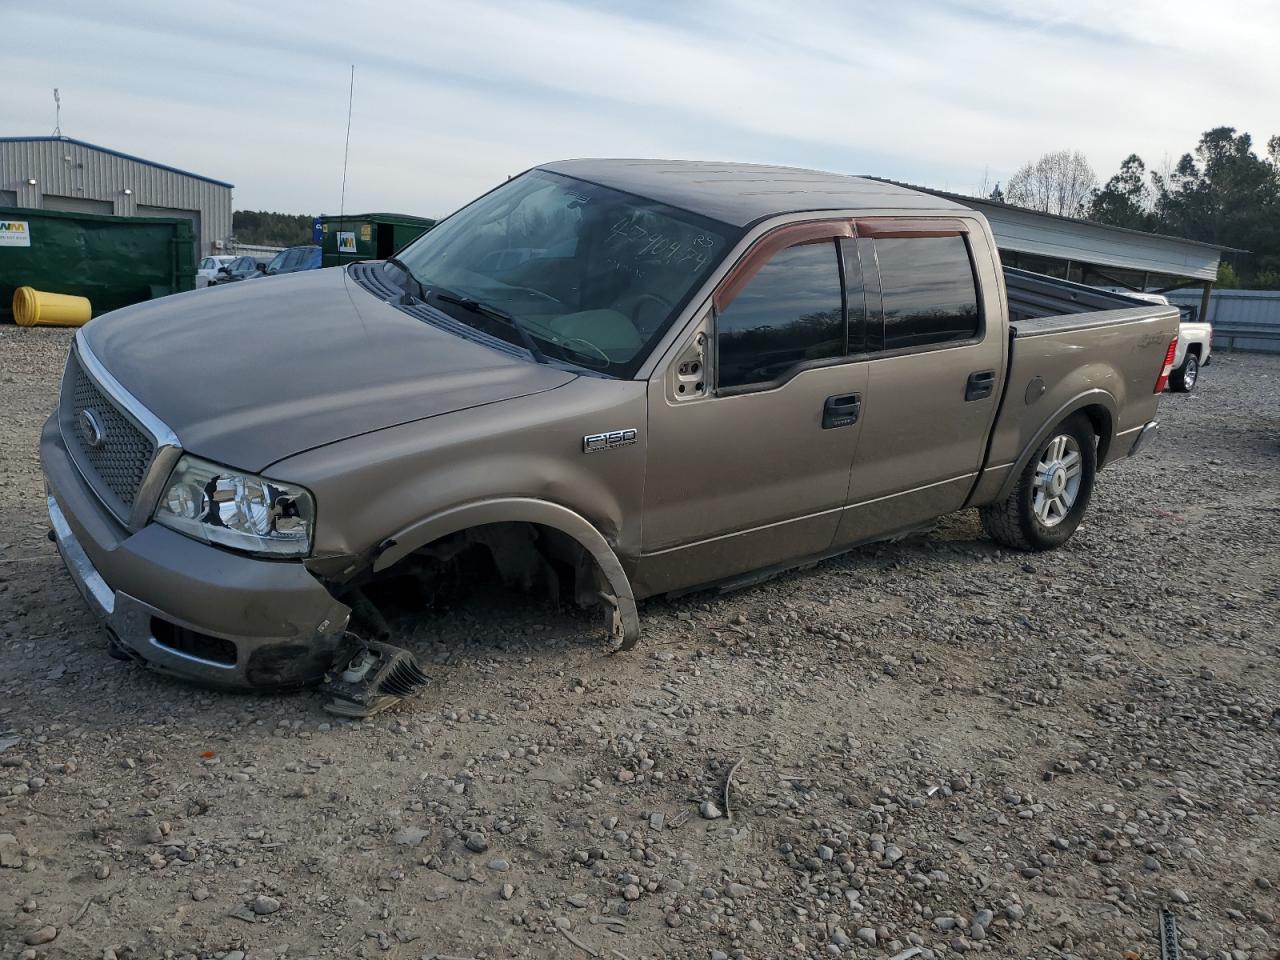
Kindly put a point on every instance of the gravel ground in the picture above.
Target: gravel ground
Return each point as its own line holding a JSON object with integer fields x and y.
{"x": 936, "y": 744}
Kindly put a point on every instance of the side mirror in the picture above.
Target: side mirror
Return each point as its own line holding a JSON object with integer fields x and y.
{"x": 225, "y": 271}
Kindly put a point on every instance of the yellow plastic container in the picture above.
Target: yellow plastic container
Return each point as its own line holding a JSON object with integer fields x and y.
{"x": 33, "y": 307}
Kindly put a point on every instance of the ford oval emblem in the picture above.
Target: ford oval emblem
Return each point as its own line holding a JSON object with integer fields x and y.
{"x": 91, "y": 428}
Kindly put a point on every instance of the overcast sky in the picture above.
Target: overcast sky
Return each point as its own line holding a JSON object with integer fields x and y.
{"x": 450, "y": 98}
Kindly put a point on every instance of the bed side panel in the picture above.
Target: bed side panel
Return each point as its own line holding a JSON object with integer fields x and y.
{"x": 1059, "y": 365}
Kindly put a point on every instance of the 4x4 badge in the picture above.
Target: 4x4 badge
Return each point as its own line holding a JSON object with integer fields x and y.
{"x": 595, "y": 442}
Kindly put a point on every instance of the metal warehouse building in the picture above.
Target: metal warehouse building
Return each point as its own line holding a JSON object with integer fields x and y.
{"x": 59, "y": 173}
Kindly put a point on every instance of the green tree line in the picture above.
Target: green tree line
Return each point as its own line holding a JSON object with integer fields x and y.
{"x": 1220, "y": 192}
{"x": 271, "y": 229}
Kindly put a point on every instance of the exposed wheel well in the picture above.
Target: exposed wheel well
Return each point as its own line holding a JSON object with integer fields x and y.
{"x": 1197, "y": 350}
{"x": 535, "y": 558}
{"x": 525, "y": 555}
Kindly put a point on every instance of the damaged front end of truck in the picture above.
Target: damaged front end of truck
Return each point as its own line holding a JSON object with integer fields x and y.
{"x": 370, "y": 672}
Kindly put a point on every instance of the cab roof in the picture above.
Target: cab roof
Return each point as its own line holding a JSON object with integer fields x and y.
{"x": 741, "y": 194}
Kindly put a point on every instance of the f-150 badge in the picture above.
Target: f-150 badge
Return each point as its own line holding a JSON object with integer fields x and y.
{"x": 595, "y": 442}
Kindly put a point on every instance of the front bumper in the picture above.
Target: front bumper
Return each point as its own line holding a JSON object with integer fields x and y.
{"x": 187, "y": 608}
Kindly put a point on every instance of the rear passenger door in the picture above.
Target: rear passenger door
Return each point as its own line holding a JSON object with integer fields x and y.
{"x": 936, "y": 360}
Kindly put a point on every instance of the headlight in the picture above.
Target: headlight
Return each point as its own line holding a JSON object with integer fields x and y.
{"x": 220, "y": 505}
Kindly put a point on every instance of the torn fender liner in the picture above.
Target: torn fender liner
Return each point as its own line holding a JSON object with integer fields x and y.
{"x": 369, "y": 676}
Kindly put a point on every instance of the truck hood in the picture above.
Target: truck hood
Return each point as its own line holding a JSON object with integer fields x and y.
{"x": 250, "y": 373}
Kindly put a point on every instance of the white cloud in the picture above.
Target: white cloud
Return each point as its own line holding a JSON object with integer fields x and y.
{"x": 451, "y": 98}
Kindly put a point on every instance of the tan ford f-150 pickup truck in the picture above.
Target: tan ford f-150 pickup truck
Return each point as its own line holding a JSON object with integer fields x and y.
{"x": 606, "y": 379}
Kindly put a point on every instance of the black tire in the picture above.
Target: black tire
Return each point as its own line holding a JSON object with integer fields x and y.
{"x": 1014, "y": 522}
{"x": 1185, "y": 378}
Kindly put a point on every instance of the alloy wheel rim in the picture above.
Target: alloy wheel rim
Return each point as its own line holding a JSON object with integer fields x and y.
{"x": 1056, "y": 486}
{"x": 1193, "y": 371}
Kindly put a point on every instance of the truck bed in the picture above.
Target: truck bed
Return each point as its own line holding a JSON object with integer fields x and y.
{"x": 1039, "y": 305}
{"x": 1068, "y": 344}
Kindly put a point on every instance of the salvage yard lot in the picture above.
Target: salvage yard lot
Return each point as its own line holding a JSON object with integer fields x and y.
{"x": 937, "y": 742}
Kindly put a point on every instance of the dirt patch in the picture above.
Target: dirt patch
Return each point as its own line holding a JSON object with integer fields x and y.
{"x": 937, "y": 743}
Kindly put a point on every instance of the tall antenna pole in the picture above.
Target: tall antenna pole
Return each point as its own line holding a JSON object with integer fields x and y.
{"x": 342, "y": 201}
{"x": 57, "y": 112}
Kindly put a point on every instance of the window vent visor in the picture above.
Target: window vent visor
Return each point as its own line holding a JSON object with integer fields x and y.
{"x": 888, "y": 227}
{"x": 762, "y": 251}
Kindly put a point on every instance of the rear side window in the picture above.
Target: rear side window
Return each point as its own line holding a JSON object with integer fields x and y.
{"x": 928, "y": 289}
{"x": 789, "y": 313}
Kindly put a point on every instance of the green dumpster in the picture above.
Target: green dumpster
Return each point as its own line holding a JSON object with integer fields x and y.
{"x": 367, "y": 236}
{"x": 114, "y": 261}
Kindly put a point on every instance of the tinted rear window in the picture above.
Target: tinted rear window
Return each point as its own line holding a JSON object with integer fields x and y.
{"x": 929, "y": 292}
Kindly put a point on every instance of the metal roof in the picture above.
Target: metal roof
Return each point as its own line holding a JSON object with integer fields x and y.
{"x": 116, "y": 153}
{"x": 1085, "y": 241}
{"x": 984, "y": 203}
{"x": 381, "y": 217}
{"x": 741, "y": 194}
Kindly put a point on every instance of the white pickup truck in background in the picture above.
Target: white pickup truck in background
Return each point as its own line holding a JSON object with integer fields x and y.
{"x": 1195, "y": 342}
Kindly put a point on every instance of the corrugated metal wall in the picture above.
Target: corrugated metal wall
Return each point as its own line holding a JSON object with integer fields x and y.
{"x": 1234, "y": 313}
{"x": 67, "y": 168}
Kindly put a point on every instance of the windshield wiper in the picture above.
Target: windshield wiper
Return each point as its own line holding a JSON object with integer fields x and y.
{"x": 495, "y": 313}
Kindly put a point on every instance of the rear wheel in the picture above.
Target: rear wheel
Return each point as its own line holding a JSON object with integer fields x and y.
{"x": 1052, "y": 494}
{"x": 1183, "y": 380}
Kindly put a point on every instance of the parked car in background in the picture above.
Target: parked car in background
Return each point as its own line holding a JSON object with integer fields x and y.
{"x": 294, "y": 259}
{"x": 606, "y": 379}
{"x": 241, "y": 268}
{"x": 1195, "y": 344}
{"x": 207, "y": 272}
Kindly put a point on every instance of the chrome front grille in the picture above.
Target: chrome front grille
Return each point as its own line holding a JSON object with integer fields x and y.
{"x": 111, "y": 440}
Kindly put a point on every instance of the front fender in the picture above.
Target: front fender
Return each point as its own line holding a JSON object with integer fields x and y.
{"x": 525, "y": 510}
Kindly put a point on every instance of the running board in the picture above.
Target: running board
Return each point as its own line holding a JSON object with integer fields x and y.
{"x": 754, "y": 577}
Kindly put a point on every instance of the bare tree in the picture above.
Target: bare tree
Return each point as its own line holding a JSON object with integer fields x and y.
{"x": 986, "y": 190}
{"x": 1061, "y": 182}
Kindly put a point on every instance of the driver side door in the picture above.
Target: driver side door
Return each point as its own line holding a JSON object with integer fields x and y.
{"x": 752, "y": 469}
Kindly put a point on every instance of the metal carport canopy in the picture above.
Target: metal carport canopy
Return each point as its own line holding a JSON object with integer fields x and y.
{"x": 1085, "y": 242}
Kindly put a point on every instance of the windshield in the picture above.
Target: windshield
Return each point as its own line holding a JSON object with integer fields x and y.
{"x": 594, "y": 275}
